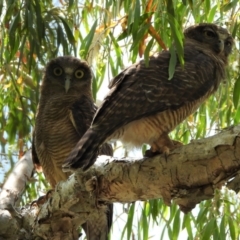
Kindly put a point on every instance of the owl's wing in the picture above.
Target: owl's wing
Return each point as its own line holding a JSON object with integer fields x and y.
{"x": 81, "y": 114}
{"x": 35, "y": 158}
{"x": 140, "y": 91}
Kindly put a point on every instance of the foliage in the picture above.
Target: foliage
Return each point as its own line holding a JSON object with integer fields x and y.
{"x": 111, "y": 35}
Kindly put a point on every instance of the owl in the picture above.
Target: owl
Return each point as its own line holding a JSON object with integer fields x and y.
{"x": 65, "y": 111}
{"x": 144, "y": 106}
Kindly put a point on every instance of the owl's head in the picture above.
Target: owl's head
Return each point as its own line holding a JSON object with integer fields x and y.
{"x": 67, "y": 75}
{"x": 211, "y": 37}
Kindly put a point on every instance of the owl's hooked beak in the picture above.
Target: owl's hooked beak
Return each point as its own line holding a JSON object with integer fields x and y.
{"x": 221, "y": 45}
{"x": 67, "y": 84}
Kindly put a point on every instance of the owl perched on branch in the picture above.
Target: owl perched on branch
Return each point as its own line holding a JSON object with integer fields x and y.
{"x": 65, "y": 111}
{"x": 143, "y": 106}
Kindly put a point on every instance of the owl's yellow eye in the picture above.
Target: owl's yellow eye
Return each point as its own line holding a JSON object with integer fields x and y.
{"x": 57, "y": 71}
{"x": 79, "y": 73}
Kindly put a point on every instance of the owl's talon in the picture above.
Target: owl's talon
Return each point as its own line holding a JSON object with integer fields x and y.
{"x": 177, "y": 144}
{"x": 42, "y": 199}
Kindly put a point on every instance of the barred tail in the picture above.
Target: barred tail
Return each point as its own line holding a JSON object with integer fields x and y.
{"x": 85, "y": 152}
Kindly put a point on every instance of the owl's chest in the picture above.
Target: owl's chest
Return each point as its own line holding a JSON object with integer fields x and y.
{"x": 149, "y": 129}
{"x": 54, "y": 129}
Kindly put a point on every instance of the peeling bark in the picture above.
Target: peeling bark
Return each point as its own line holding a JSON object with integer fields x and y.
{"x": 188, "y": 175}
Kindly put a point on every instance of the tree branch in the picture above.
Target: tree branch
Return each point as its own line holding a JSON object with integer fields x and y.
{"x": 16, "y": 181}
{"x": 188, "y": 175}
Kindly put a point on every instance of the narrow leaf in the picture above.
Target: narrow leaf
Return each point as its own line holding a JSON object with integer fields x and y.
{"x": 232, "y": 228}
{"x": 130, "y": 220}
{"x": 172, "y": 63}
{"x": 15, "y": 23}
{"x": 209, "y": 229}
{"x": 176, "y": 225}
{"x": 147, "y": 52}
{"x": 68, "y": 30}
{"x": 145, "y": 225}
{"x": 136, "y": 20}
{"x": 88, "y": 40}
{"x": 236, "y": 92}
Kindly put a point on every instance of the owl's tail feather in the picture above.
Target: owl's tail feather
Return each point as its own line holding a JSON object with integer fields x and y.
{"x": 85, "y": 152}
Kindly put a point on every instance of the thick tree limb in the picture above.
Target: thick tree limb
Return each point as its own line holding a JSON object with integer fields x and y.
{"x": 10, "y": 196}
{"x": 187, "y": 175}
{"x": 16, "y": 181}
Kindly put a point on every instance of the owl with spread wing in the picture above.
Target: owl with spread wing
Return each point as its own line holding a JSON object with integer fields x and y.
{"x": 65, "y": 112}
{"x": 144, "y": 106}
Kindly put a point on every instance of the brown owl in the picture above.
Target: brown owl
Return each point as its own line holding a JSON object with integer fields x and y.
{"x": 64, "y": 113}
{"x": 143, "y": 106}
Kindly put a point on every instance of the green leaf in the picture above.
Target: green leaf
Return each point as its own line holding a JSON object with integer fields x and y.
{"x": 178, "y": 38}
{"x": 172, "y": 63}
{"x": 40, "y": 22}
{"x": 237, "y": 116}
{"x": 129, "y": 30}
{"x": 162, "y": 237}
{"x": 170, "y": 232}
{"x": 222, "y": 229}
{"x": 145, "y": 225}
{"x": 232, "y": 228}
{"x": 143, "y": 29}
{"x": 70, "y": 4}
{"x": 187, "y": 224}
{"x": 1, "y": 7}
{"x": 130, "y": 220}
{"x": 170, "y": 8}
{"x": 202, "y": 214}
{"x": 88, "y": 40}
{"x": 212, "y": 13}
{"x": 147, "y": 52}
{"x": 67, "y": 30}
{"x": 101, "y": 74}
{"x": 209, "y": 229}
{"x": 14, "y": 25}
{"x": 230, "y": 5}
{"x": 94, "y": 88}
{"x": 135, "y": 25}
{"x": 118, "y": 51}
{"x": 207, "y": 6}
{"x": 154, "y": 205}
{"x": 236, "y": 27}
{"x": 176, "y": 225}
{"x": 236, "y": 92}
{"x": 14, "y": 43}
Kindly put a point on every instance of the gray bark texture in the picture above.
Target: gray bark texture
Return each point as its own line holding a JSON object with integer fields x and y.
{"x": 187, "y": 176}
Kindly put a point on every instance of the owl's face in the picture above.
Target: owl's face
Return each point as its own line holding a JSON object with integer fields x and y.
{"x": 212, "y": 37}
{"x": 67, "y": 75}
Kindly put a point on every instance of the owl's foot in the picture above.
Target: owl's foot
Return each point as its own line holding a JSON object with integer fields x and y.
{"x": 43, "y": 199}
{"x": 149, "y": 153}
{"x": 177, "y": 144}
{"x": 162, "y": 146}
